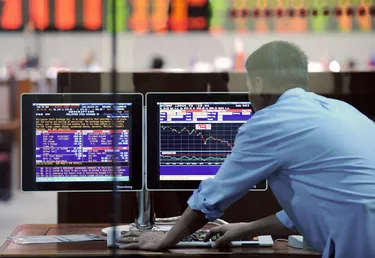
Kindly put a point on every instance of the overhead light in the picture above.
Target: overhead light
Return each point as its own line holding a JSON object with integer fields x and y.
{"x": 203, "y": 67}
{"x": 315, "y": 67}
{"x": 223, "y": 63}
{"x": 334, "y": 66}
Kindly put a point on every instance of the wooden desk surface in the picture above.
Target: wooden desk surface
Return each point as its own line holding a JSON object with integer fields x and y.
{"x": 99, "y": 248}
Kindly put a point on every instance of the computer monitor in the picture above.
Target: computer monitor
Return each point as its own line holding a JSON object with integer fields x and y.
{"x": 189, "y": 135}
{"x": 67, "y": 142}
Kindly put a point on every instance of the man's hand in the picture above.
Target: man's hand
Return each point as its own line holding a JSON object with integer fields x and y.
{"x": 190, "y": 221}
{"x": 228, "y": 233}
{"x": 246, "y": 231}
{"x": 135, "y": 240}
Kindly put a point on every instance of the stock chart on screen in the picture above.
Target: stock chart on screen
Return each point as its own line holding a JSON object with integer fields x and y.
{"x": 75, "y": 142}
{"x": 195, "y": 138}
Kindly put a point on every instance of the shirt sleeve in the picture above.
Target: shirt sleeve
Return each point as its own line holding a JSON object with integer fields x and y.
{"x": 285, "y": 220}
{"x": 252, "y": 160}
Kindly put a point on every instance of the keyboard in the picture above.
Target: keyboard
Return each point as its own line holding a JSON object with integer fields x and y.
{"x": 198, "y": 236}
{"x": 196, "y": 240}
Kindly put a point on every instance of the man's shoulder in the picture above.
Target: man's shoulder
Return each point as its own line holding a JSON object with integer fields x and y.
{"x": 262, "y": 121}
{"x": 283, "y": 118}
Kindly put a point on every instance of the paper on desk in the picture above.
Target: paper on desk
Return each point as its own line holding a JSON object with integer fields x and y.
{"x": 22, "y": 240}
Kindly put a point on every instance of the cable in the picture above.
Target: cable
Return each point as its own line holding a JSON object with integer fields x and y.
{"x": 281, "y": 240}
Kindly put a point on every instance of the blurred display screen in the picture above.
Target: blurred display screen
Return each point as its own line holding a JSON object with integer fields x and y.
{"x": 159, "y": 16}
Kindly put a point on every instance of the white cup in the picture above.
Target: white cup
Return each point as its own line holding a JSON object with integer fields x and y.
{"x": 113, "y": 242}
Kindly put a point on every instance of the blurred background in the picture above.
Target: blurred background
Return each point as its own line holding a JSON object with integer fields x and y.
{"x": 40, "y": 38}
{"x": 74, "y": 34}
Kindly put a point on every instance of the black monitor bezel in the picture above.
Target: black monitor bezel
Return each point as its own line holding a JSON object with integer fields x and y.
{"x": 28, "y": 182}
{"x": 152, "y": 132}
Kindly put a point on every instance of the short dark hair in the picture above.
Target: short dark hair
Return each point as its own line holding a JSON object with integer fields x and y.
{"x": 280, "y": 63}
{"x": 157, "y": 63}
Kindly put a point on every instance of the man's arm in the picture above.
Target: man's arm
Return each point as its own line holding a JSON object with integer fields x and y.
{"x": 190, "y": 221}
{"x": 270, "y": 225}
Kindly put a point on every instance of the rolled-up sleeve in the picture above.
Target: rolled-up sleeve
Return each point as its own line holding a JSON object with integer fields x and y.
{"x": 285, "y": 220}
{"x": 252, "y": 160}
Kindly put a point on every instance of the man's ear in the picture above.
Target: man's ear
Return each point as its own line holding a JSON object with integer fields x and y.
{"x": 259, "y": 84}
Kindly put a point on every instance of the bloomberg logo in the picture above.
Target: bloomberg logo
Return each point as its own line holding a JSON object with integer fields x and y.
{"x": 128, "y": 187}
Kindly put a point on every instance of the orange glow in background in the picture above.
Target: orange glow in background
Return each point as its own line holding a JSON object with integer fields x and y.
{"x": 159, "y": 16}
{"x": 65, "y": 14}
{"x": 12, "y": 16}
{"x": 179, "y": 16}
{"x": 139, "y": 17}
{"x": 92, "y": 15}
{"x": 39, "y": 13}
{"x": 152, "y": 15}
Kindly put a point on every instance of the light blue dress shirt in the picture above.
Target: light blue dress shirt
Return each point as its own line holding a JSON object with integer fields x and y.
{"x": 318, "y": 155}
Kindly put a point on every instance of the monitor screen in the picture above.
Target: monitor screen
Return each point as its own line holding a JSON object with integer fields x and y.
{"x": 193, "y": 134}
{"x": 81, "y": 142}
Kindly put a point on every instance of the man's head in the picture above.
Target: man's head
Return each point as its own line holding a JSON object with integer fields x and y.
{"x": 273, "y": 69}
{"x": 157, "y": 63}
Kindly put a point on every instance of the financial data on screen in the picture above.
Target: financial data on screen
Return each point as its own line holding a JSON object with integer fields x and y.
{"x": 75, "y": 142}
{"x": 195, "y": 138}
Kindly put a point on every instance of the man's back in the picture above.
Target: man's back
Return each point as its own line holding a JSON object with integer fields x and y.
{"x": 326, "y": 178}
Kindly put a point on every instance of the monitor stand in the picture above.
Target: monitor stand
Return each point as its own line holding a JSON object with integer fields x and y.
{"x": 145, "y": 220}
{"x": 145, "y": 214}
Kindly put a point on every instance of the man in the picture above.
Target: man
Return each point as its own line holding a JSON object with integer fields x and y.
{"x": 318, "y": 155}
{"x": 32, "y": 45}
{"x": 89, "y": 63}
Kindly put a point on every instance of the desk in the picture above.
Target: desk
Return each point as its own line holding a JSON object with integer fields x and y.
{"x": 99, "y": 248}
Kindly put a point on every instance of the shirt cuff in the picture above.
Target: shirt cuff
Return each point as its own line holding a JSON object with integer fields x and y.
{"x": 284, "y": 219}
{"x": 198, "y": 202}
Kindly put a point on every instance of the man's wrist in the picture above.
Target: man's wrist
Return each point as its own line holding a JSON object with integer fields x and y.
{"x": 267, "y": 226}
{"x": 163, "y": 245}
{"x": 247, "y": 230}
{"x": 254, "y": 228}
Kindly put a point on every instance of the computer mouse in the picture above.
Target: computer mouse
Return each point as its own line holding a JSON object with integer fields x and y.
{"x": 295, "y": 241}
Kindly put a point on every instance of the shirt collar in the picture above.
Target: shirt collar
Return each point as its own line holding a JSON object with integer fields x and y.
{"x": 291, "y": 92}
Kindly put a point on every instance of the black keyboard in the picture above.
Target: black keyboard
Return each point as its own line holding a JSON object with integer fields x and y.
{"x": 196, "y": 240}
{"x": 198, "y": 236}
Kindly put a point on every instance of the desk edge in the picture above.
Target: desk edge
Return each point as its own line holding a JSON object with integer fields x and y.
{"x": 7, "y": 242}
